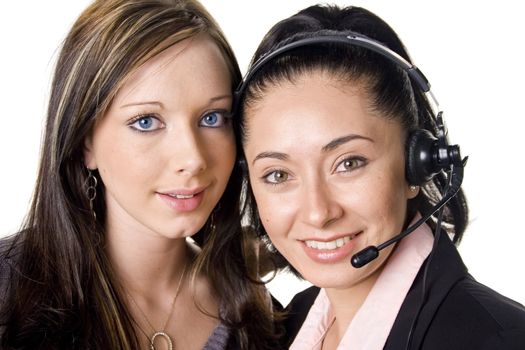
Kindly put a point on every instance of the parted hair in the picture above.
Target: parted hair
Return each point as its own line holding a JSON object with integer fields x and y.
{"x": 62, "y": 292}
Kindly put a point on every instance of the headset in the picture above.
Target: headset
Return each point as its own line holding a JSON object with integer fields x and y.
{"x": 426, "y": 155}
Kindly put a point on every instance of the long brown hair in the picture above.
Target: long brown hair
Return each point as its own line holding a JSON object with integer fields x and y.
{"x": 62, "y": 292}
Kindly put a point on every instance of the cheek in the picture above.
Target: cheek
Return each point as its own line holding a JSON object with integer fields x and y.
{"x": 264, "y": 206}
{"x": 222, "y": 153}
{"x": 276, "y": 213}
{"x": 388, "y": 204}
{"x": 124, "y": 164}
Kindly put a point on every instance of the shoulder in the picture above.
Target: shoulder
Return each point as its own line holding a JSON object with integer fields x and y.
{"x": 220, "y": 339}
{"x": 302, "y": 301}
{"x": 503, "y": 311}
{"x": 296, "y": 312}
{"x": 478, "y": 317}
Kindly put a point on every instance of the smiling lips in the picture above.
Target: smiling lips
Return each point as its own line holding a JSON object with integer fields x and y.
{"x": 331, "y": 245}
{"x": 330, "y": 251}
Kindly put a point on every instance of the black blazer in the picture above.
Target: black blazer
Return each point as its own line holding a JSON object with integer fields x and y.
{"x": 459, "y": 313}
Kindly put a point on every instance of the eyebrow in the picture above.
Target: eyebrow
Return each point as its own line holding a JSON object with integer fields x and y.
{"x": 221, "y": 97}
{"x": 142, "y": 104}
{"x": 211, "y": 100}
{"x": 342, "y": 140}
{"x": 274, "y": 155}
{"x": 326, "y": 148}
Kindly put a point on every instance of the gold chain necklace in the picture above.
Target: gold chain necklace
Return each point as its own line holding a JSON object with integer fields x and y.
{"x": 162, "y": 333}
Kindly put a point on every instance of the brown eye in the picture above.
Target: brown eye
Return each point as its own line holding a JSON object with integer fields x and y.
{"x": 350, "y": 164}
{"x": 276, "y": 177}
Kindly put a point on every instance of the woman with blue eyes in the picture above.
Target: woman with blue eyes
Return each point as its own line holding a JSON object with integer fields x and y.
{"x": 332, "y": 132}
{"x": 139, "y": 155}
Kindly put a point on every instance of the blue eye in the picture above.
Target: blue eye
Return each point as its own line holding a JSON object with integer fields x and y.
{"x": 214, "y": 119}
{"x": 146, "y": 123}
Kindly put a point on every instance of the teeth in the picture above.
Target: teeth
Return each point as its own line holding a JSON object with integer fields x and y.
{"x": 182, "y": 196}
{"x": 329, "y": 245}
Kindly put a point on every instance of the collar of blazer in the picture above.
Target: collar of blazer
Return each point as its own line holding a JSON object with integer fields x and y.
{"x": 445, "y": 271}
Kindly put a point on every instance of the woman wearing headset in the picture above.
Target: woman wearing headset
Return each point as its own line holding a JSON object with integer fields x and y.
{"x": 339, "y": 143}
{"x": 137, "y": 156}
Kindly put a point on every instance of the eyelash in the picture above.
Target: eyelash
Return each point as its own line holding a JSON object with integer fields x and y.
{"x": 361, "y": 162}
{"x": 226, "y": 116}
{"x": 144, "y": 116}
{"x": 274, "y": 171}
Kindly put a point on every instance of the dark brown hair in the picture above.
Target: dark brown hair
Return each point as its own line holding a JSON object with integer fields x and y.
{"x": 392, "y": 93}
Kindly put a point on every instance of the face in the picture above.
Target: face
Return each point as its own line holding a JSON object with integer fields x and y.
{"x": 328, "y": 176}
{"x": 165, "y": 147}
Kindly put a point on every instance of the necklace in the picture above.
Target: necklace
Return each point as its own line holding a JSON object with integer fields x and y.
{"x": 162, "y": 333}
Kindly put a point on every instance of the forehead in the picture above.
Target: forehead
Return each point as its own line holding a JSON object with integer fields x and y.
{"x": 311, "y": 111}
{"x": 192, "y": 60}
{"x": 303, "y": 85}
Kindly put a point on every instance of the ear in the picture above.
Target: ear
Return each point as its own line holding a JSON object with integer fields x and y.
{"x": 89, "y": 155}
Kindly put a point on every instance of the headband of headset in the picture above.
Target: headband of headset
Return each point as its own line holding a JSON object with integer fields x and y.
{"x": 426, "y": 154}
{"x": 349, "y": 38}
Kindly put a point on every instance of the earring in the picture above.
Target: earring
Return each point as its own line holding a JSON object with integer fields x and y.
{"x": 213, "y": 223}
{"x": 91, "y": 190}
{"x": 414, "y": 188}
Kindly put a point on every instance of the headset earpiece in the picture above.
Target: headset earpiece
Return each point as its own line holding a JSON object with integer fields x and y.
{"x": 427, "y": 155}
{"x": 420, "y": 157}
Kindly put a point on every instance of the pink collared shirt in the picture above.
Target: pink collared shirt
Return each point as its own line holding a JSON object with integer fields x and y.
{"x": 373, "y": 321}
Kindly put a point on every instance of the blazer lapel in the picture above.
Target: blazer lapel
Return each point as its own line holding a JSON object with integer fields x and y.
{"x": 445, "y": 270}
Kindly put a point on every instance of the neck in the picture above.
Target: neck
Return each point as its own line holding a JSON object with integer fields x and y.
{"x": 145, "y": 262}
{"x": 345, "y": 303}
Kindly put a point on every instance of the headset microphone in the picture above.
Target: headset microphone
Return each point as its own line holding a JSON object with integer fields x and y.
{"x": 426, "y": 155}
{"x": 368, "y": 254}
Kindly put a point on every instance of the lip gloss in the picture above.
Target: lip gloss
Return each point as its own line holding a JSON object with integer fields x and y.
{"x": 328, "y": 256}
{"x": 182, "y": 205}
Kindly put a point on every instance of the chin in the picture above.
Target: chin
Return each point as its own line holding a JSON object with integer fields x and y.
{"x": 330, "y": 282}
{"x": 178, "y": 232}
{"x": 338, "y": 276}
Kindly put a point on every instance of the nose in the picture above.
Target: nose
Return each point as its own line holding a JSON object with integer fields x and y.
{"x": 190, "y": 153}
{"x": 319, "y": 206}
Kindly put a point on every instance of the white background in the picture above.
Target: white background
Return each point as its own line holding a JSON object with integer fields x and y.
{"x": 472, "y": 53}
